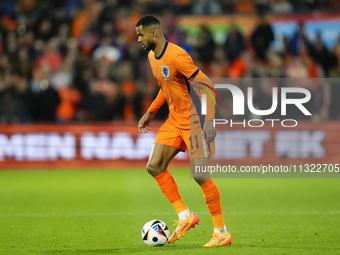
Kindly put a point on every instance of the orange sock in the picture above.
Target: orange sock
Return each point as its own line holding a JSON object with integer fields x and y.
{"x": 169, "y": 188}
{"x": 213, "y": 200}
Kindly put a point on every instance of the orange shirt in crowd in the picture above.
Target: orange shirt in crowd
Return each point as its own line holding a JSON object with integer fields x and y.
{"x": 68, "y": 106}
{"x": 50, "y": 61}
{"x": 79, "y": 23}
{"x": 129, "y": 90}
{"x": 237, "y": 68}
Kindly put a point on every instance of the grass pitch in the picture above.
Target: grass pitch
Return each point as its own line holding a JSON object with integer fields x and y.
{"x": 102, "y": 212}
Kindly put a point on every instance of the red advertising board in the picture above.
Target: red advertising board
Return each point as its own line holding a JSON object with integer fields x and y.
{"x": 105, "y": 145}
{"x": 307, "y": 143}
{"x": 114, "y": 145}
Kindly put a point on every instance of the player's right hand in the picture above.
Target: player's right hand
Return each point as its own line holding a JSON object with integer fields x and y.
{"x": 143, "y": 124}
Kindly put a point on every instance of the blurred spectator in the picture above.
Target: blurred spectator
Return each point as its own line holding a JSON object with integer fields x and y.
{"x": 67, "y": 109}
{"x": 205, "y": 46}
{"x": 238, "y": 67}
{"x": 46, "y": 101}
{"x": 62, "y": 77}
{"x": 261, "y": 38}
{"x": 84, "y": 16}
{"x": 109, "y": 11}
{"x": 182, "y": 41}
{"x": 296, "y": 69}
{"x": 59, "y": 19}
{"x": 45, "y": 32}
{"x": 299, "y": 44}
{"x": 234, "y": 44}
{"x": 281, "y": 6}
{"x": 6, "y": 7}
{"x": 106, "y": 52}
{"x": 12, "y": 49}
{"x": 50, "y": 60}
{"x": 115, "y": 102}
{"x": 63, "y": 38}
{"x": 131, "y": 102}
{"x": 219, "y": 66}
{"x": 245, "y": 6}
{"x": 262, "y": 6}
{"x": 314, "y": 69}
{"x": 319, "y": 52}
{"x": 26, "y": 63}
{"x": 304, "y": 5}
{"x": 207, "y": 7}
{"x": 24, "y": 98}
{"x": 87, "y": 42}
{"x": 71, "y": 5}
{"x": 169, "y": 26}
{"x": 183, "y": 6}
{"x": 337, "y": 53}
{"x": 14, "y": 99}
{"x": 322, "y": 55}
{"x": 93, "y": 105}
{"x": 286, "y": 48}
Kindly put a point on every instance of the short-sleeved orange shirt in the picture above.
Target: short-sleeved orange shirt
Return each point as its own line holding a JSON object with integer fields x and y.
{"x": 173, "y": 70}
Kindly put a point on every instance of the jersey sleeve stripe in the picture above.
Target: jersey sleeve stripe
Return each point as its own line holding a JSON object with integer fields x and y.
{"x": 197, "y": 103}
{"x": 194, "y": 74}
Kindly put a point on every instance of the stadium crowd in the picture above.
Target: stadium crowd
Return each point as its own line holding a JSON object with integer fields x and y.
{"x": 78, "y": 60}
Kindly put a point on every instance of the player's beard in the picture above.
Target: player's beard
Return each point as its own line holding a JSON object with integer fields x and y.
{"x": 151, "y": 45}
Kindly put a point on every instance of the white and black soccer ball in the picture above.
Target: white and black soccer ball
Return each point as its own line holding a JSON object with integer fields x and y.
{"x": 155, "y": 233}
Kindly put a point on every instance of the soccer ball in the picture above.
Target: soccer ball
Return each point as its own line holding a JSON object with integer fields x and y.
{"x": 155, "y": 233}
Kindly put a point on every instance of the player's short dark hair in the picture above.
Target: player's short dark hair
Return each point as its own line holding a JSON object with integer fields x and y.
{"x": 148, "y": 20}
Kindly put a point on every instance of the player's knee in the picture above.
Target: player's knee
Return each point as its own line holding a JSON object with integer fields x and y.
{"x": 201, "y": 177}
{"x": 154, "y": 169}
{"x": 200, "y": 181}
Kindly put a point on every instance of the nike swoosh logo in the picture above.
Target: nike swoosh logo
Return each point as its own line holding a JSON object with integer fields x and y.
{"x": 219, "y": 240}
{"x": 193, "y": 152}
{"x": 181, "y": 229}
{"x": 209, "y": 201}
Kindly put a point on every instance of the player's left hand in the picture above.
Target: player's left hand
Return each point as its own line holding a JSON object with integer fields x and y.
{"x": 209, "y": 131}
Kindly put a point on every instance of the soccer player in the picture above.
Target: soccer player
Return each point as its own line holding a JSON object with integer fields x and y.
{"x": 176, "y": 74}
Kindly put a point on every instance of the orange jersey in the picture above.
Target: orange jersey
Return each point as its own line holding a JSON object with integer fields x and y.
{"x": 174, "y": 71}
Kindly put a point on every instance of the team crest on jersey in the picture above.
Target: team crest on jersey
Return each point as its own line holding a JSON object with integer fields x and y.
{"x": 165, "y": 71}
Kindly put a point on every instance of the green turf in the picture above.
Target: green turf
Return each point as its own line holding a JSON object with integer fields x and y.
{"x": 102, "y": 212}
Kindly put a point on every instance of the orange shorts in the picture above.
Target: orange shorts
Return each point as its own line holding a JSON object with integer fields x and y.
{"x": 182, "y": 139}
